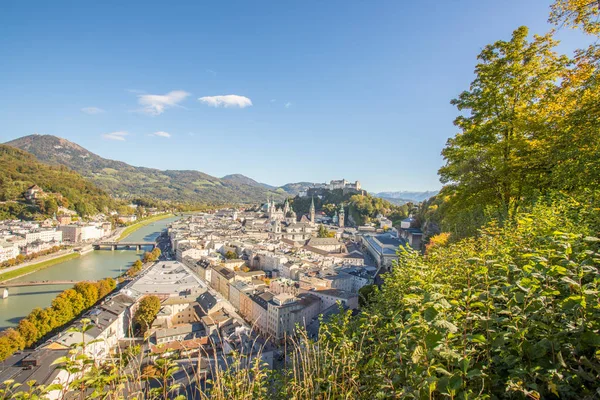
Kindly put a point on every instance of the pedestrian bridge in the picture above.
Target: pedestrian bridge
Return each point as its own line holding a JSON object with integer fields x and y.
{"x": 10, "y": 284}
{"x": 4, "y": 286}
{"x": 114, "y": 245}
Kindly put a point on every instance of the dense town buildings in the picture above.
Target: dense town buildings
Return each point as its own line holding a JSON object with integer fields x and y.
{"x": 233, "y": 279}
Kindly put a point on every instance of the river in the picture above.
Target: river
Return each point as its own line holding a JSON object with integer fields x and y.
{"x": 92, "y": 266}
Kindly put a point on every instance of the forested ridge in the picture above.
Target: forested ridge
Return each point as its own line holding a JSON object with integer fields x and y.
{"x": 19, "y": 170}
{"x": 505, "y": 303}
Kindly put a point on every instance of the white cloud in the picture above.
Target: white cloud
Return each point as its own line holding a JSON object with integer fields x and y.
{"x": 210, "y": 71}
{"x": 92, "y": 110}
{"x": 119, "y": 135}
{"x": 227, "y": 101}
{"x": 273, "y": 100}
{"x": 288, "y": 104}
{"x": 156, "y": 104}
{"x": 162, "y": 134}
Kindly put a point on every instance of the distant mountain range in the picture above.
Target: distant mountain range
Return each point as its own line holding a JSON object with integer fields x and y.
{"x": 406, "y": 196}
{"x": 126, "y": 181}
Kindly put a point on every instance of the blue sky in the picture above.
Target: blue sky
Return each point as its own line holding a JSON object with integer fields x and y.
{"x": 319, "y": 90}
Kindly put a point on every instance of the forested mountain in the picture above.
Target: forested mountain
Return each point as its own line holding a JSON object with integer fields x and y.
{"x": 126, "y": 181}
{"x": 20, "y": 170}
{"x": 242, "y": 179}
{"x": 295, "y": 188}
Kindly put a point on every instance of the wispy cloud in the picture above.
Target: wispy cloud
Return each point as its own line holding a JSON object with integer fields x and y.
{"x": 119, "y": 135}
{"x": 136, "y": 91}
{"x": 288, "y": 104}
{"x": 273, "y": 100}
{"x": 226, "y": 101}
{"x": 92, "y": 110}
{"x": 162, "y": 134}
{"x": 210, "y": 71}
{"x": 156, "y": 104}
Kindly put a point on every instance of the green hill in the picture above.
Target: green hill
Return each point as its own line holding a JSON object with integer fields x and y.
{"x": 126, "y": 181}
{"x": 19, "y": 170}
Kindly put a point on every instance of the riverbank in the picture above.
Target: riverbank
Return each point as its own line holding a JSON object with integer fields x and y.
{"x": 96, "y": 265}
{"x": 24, "y": 270}
{"x": 132, "y": 228}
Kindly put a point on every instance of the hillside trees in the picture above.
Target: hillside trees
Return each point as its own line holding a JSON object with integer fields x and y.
{"x": 19, "y": 170}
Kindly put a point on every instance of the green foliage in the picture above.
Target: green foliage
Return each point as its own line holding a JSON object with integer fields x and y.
{"x": 230, "y": 255}
{"x": 530, "y": 127}
{"x": 365, "y": 295}
{"x": 497, "y": 159}
{"x": 513, "y": 312}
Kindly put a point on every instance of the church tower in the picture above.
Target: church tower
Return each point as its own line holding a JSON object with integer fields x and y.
{"x": 341, "y": 216}
{"x": 312, "y": 210}
{"x": 286, "y": 207}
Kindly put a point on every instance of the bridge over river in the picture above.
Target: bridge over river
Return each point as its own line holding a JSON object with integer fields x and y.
{"x": 4, "y": 286}
{"x": 126, "y": 245}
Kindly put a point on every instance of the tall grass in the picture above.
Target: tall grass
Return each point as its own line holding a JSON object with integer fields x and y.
{"x": 310, "y": 370}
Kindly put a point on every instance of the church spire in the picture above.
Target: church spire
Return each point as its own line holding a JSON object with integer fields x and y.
{"x": 312, "y": 209}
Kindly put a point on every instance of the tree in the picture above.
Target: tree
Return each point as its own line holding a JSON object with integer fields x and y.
{"x": 105, "y": 286}
{"x": 75, "y": 299}
{"x": 63, "y": 310}
{"x": 43, "y": 320}
{"x": 577, "y": 13}
{"x": 89, "y": 291}
{"x": 146, "y": 313}
{"x": 365, "y": 294}
{"x": 493, "y": 161}
{"x": 324, "y": 232}
{"x": 10, "y": 341}
{"x": 230, "y": 255}
{"x": 50, "y": 206}
{"x": 151, "y": 256}
{"x": 136, "y": 267}
{"x": 28, "y": 332}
